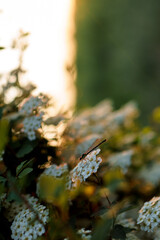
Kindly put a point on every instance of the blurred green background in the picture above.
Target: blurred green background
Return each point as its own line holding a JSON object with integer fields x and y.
{"x": 118, "y": 52}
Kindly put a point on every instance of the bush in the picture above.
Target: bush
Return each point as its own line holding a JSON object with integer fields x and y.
{"x": 56, "y": 188}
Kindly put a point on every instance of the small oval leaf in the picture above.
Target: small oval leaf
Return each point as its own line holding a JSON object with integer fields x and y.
{"x": 25, "y": 172}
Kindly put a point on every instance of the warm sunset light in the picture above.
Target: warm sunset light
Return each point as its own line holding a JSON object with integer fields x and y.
{"x": 79, "y": 120}
{"x": 50, "y": 24}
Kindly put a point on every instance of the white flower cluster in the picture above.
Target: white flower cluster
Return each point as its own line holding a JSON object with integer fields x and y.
{"x": 83, "y": 234}
{"x": 56, "y": 171}
{"x": 85, "y": 167}
{"x": 122, "y": 160}
{"x": 149, "y": 215}
{"x": 30, "y": 105}
{"x": 33, "y": 116}
{"x": 102, "y": 120}
{"x": 31, "y": 124}
{"x": 26, "y": 226}
{"x": 80, "y": 173}
{"x": 1, "y": 155}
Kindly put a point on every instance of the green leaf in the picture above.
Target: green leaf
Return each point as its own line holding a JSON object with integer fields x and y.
{"x": 26, "y": 148}
{"x": 126, "y": 209}
{"x": 20, "y": 166}
{"x": 53, "y": 190}
{"x": 25, "y": 172}
{"x": 102, "y": 230}
{"x": 119, "y": 232}
{"x": 1, "y": 48}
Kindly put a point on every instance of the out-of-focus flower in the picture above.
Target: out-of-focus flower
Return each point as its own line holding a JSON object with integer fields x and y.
{"x": 83, "y": 147}
{"x": 26, "y": 225}
{"x": 31, "y": 110}
{"x": 56, "y": 171}
{"x": 146, "y": 136}
{"x": 30, "y": 105}
{"x": 31, "y": 124}
{"x": 83, "y": 234}
{"x": 122, "y": 160}
{"x": 13, "y": 208}
{"x": 149, "y": 215}
{"x": 125, "y": 222}
{"x": 151, "y": 173}
{"x": 102, "y": 120}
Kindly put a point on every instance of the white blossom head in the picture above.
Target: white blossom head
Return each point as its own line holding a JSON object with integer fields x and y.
{"x": 86, "y": 167}
{"x": 122, "y": 160}
{"x": 31, "y": 124}
{"x": 29, "y": 224}
{"x": 149, "y": 215}
{"x": 30, "y": 105}
{"x": 55, "y": 170}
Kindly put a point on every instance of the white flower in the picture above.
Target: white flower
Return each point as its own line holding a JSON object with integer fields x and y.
{"x": 56, "y": 171}
{"x": 86, "y": 173}
{"x": 94, "y": 166}
{"x": 122, "y": 160}
{"x": 31, "y": 124}
{"x": 30, "y": 105}
{"x": 85, "y": 167}
{"x": 149, "y": 215}
{"x": 151, "y": 174}
{"x": 39, "y": 229}
{"x": 25, "y": 226}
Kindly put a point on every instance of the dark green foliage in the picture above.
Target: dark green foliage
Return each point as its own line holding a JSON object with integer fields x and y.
{"x": 26, "y": 148}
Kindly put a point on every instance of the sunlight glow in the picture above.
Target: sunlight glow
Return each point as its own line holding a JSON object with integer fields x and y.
{"x": 45, "y": 59}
